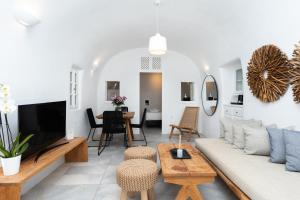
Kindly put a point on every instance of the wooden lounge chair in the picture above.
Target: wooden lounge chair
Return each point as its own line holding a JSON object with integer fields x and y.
{"x": 188, "y": 123}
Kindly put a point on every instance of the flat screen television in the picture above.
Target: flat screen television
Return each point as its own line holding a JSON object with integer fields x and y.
{"x": 47, "y": 121}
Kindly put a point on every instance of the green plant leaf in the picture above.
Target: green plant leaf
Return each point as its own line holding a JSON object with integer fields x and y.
{"x": 5, "y": 153}
{"x": 19, "y": 146}
{"x": 16, "y": 142}
{"x": 23, "y": 149}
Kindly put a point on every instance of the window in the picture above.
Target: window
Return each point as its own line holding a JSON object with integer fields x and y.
{"x": 112, "y": 89}
{"x": 74, "y": 88}
{"x": 187, "y": 91}
{"x": 239, "y": 80}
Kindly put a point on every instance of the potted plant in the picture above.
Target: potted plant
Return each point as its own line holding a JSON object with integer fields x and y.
{"x": 118, "y": 101}
{"x": 10, "y": 150}
{"x": 11, "y": 157}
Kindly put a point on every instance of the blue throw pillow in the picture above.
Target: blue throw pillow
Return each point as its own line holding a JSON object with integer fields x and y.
{"x": 277, "y": 151}
{"x": 292, "y": 148}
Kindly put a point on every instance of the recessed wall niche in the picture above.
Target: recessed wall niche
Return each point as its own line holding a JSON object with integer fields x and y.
{"x": 187, "y": 91}
{"x": 231, "y": 89}
{"x": 112, "y": 89}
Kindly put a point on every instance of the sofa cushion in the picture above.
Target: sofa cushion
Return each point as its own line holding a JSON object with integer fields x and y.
{"x": 254, "y": 175}
{"x": 227, "y": 125}
{"x": 292, "y": 144}
{"x": 238, "y": 131}
{"x": 228, "y": 129}
{"x": 277, "y": 151}
{"x": 222, "y": 130}
{"x": 256, "y": 141}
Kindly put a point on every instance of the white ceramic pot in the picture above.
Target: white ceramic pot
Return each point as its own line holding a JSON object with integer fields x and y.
{"x": 11, "y": 166}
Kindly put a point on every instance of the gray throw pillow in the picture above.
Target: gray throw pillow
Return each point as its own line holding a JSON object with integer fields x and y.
{"x": 292, "y": 148}
{"x": 277, "y": 151}
{"x": 256, "y": 141}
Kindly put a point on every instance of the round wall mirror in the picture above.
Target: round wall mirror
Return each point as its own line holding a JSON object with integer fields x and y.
{"x": 209, "y": 95}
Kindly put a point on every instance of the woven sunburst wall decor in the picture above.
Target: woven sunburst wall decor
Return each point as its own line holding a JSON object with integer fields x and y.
{"x": 268, "y": 73}
{"x": 295, "y": 79}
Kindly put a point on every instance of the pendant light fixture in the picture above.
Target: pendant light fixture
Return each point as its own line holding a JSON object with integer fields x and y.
{"x": 157, "y": 43}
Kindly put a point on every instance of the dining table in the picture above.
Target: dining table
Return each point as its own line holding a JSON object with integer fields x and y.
{"x": 127, "y": 116}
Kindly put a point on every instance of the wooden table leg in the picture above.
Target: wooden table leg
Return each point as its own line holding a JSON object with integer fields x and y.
{"x": 187, "y": 191}
{"x": 128, "y": 130}
{"x": 183, "y": 193}
{"x": 195, "y": 193}
{"x": 10, "y": 191}
{"x": 131, "y": 130}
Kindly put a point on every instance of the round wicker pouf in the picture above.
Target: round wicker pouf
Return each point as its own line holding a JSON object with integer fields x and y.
{"x": 140, "y": 153}
{"x": 137, "y": 175}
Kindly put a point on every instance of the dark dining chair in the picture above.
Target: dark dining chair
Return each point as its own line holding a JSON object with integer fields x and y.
{"x": 141, "y": 126}
{"x": 124, "y": 109}
{"x": 112, "y": 124}
{"x": 93, "y": 124}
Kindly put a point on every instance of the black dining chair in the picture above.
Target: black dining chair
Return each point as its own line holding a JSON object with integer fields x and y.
{"x": 93, "y": 123}
{"x": 141, "y": 126}
{"x": 124, "y": 109}
{"x": 112, "y": 124}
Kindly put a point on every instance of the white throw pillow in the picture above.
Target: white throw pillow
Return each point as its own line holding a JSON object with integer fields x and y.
{"x": 256, "y": 141}
{"x": 222, "y": 130}
{"x": 238, "y": 131}
{"x": 228, "y": 129}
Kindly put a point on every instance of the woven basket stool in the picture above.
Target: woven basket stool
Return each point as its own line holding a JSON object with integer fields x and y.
{"x": 137, "y": 175}
{"x": 140, "y": 152}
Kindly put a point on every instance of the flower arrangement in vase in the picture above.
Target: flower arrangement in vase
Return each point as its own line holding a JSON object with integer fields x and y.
{"x": 118, "y": 101}
{"x": 11, "y": 149}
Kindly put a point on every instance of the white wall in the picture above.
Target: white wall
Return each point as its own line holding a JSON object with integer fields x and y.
{"x": 209, "y": 32}
{"x": 35, "y": 63}
{"x": 256, "y": 27}
{"x": 176, "y": 68}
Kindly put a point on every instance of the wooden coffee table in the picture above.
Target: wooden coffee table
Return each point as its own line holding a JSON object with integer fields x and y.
{"x": 185, "y": 172}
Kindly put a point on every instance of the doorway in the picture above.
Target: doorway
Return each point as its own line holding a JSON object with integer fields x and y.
{"x": 151, "y": 98}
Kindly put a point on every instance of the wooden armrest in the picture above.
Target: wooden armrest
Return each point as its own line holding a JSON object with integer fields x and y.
{"x": 182, "y": 127}
{"x": 173, "y": 125}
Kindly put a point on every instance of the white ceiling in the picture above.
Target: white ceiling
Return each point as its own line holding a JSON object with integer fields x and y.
{"x": 208, "y": 31}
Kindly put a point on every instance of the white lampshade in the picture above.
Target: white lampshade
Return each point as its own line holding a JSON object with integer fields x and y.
{"x": 157, "y": 44}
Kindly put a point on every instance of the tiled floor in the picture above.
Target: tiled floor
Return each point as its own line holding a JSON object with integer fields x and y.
{"x": 95, "y": 180}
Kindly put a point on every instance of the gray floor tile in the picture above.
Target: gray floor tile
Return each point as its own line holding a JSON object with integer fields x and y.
{"x": 79, "y": 179}
{"x": 108, "y": 192}
{"x": 96, "y": 179}
{"x": 55, "y": 192}
{"x": 110, "y": 175}
{"x": 96, "y": 169}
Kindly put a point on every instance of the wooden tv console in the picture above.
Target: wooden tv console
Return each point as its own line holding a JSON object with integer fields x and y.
{"x": 10, "y": 186}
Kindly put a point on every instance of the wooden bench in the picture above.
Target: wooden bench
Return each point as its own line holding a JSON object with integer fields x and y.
{"x": 10, "y": 186}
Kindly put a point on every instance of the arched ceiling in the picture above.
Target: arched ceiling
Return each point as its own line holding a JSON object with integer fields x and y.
{"x": 201, "y": 29}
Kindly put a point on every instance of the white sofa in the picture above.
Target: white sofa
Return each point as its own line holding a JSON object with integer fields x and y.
{"x": 258, "y": 178}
